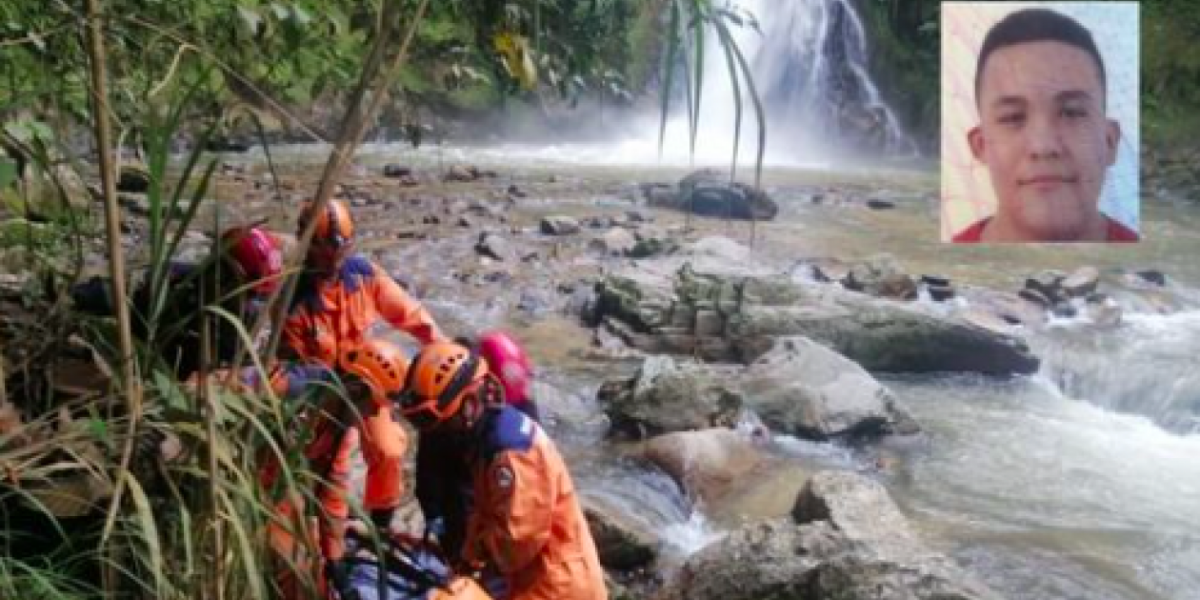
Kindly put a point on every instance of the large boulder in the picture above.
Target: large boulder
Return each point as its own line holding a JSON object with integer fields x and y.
{"x": 806, "y": 389}
{"x": 622, "y": 543}
{"x": 710, "y": 193}
{"x": 707, "y": 463}
{"x": 711, "y": 299}
{"x": 849, "y": 543}
{"x": 667, "y": 396}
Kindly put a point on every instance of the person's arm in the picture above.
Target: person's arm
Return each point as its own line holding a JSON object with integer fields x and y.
{"x": 513, "y": 514}
{"x": 401, "y": 310}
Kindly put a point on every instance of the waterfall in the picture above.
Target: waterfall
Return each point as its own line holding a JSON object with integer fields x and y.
{"x": 809, "y": 65}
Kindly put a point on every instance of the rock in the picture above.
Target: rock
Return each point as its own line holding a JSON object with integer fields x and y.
{"x": 830, "y": 270}
{"x": 534, "y": 301}
{"x": 409, "y": 181}
{"x": 708, "y": 192}
{"x": 1035, "y": 297}
{"x": 139, "y": 204}
{"x": 1064, "y": 310}
{"x": 707, "y": 463}
{"x": 779, "y": 559}
{"x": 1048, "y": 284}
{"x": 396, "y": 171}
{"x": 464, "y": 221}
{"x": 805, "y": 389}
{"x": 880, "y": 276}
{"x": 1082, "y": 282}
{"x": 940, "y": 293}
{"x": 877, "y": 204}
{"x": 648, "y": 246}
{"x": 515, "y": 191}
{"x": 659, "y": 194}
{"x": 666, "y": 396}
{"x": 598, "y": 222}
{"x": 133, "y": 178}
{"x": 431, "y": 220}
{"x": 462, "y": 173}
{"x": 495, "y": 247}
{"x": 1103, "y": 311}
{"x": 559, "y": 225}
{"x": 622, "y": 544}
{"x": 637, "y": 216}
{"x": 617, "y": 241}
{"x": 1152, "y": 276}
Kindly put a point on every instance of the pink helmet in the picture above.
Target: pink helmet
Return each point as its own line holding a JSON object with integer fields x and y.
{"x": 508, "y": 362}
{"x": 256, "y": 256}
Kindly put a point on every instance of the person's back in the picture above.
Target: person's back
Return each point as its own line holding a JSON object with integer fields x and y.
{"x": 526, "y": 521}
{"x": 558, "y": 559}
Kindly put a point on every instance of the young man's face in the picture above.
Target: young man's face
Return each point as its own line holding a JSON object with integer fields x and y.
{"x": 1045, "y": 139}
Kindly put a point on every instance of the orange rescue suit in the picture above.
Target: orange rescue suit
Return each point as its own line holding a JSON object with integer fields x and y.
{"x": 526, "y": 519}
{"x": 330, "y": 313}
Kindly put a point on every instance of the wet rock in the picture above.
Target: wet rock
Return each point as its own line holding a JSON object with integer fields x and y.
{"x": 1152, "y": 276}
{"x": 559, "y": 225}
{"x": 621, "y": 543}
{"x": 805, "y": 389}
{"x": 760, "y": 304}
{"x": 495, "y": 247}
{"x": 462, "y": 173}
{"x": 708, "y": 192}
{"x": 1048, "y": 284}
{"x": 1035, "y": 297}
{"x": 706, "y": 463}
{"x": 133, "y": 178}
{"x": 666, "y": 396}
{"x": 648, "y": 246}
{"x": 829, "y": 270}
{"x": 659, "y": 194}
{"x": 597, "y": 222}
{"x": 397, "y": 171}
{"x": 852, "y": 544}
{"x": 881, "y": 276}
{"x": 1082, "y": 282}
{"x": 637, "y": 216}
{"x": 617, "y": 241}
{"x": 1103, "y": 311}
{"x": 1064, "y": 310}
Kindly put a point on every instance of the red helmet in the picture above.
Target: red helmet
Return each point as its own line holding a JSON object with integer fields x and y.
{"x": 507, "y": 360}
{"x": 255, "y": 255}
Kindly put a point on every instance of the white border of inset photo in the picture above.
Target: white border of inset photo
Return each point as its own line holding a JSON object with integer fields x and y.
{"x": 967, "y": 192}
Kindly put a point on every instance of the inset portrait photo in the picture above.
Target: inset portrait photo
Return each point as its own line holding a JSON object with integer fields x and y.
{"x": 1040, "y": 122}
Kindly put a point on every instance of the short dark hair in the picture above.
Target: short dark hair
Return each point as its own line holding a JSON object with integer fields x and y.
{"x": 1036, "y": 25}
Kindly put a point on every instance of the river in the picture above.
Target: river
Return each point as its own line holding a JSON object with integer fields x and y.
{"x": 1079, "y": 482}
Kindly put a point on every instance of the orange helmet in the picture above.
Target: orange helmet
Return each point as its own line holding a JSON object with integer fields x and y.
{"x": 437, "y": 381}
{"x": 334, "y": 228}
{"x": 381, "y": 365}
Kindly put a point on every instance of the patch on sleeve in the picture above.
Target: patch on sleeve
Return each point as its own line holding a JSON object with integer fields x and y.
{"x": 503, "y": 478}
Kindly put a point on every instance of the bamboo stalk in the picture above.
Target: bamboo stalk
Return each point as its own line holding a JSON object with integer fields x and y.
{"x": 353, "y": 127}
{"x": 116, "y": 260}
{"x": 217, "y": 591}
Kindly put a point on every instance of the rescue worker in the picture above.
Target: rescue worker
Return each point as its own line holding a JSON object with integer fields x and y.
{"x": 342, "y": 294}
{"x": 443, "y": 482}
{"x": 247, "y": 268}
{"x": 372, "y": 374}
{"x": 339, "y": 298}
{"x": 526, "y": 520}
